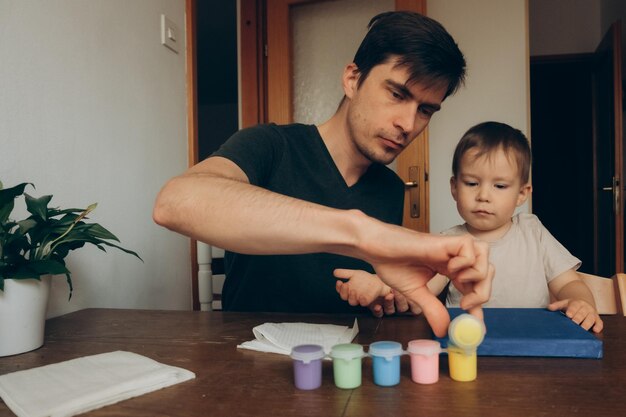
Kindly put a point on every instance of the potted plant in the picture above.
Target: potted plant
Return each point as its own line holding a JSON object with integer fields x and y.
{"x": 31, "y": 251}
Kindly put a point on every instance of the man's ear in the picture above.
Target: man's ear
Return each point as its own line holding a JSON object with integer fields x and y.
{"x": 524, "y": 192}
{"x": 453, "y": 187}
{"x": 350, "y": 79}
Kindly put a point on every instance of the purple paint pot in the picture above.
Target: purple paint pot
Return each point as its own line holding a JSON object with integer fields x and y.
{"x": 307, "y": 366}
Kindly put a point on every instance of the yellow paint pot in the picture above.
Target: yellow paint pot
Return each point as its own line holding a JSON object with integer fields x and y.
{"x": 465, "y": 333}
{"x": 462, "y": 363}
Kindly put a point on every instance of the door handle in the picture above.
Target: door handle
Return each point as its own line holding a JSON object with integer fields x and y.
{"x": 414, "y": 191}
{"x": 615, "y": 189}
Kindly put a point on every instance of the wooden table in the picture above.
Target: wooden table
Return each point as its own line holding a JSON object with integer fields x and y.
{"x": 236, "y": 382}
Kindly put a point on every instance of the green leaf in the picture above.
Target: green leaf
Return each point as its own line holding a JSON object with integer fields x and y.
{"x": 26, "y": 225}
{"x": 34, "y": 269}
{"x": 38, "y": 206}
{"x": 7, "y": 199}
{"x": 9, "y": 194}
{"x": 95, "y": 230}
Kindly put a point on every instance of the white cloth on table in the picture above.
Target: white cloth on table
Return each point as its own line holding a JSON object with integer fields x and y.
{"x": 281, "y": 337}
{"x": 86, "y": 383}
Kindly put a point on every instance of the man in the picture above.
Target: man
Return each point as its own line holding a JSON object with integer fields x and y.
{"x": 292, "y": 203}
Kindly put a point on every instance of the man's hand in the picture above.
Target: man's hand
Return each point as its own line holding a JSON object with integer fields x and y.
{"x": 411, "y": 263}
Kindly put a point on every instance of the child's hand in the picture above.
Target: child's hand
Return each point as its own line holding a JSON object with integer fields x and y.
{"x": 364, "y": 289}
{"x": 580, "y": 312}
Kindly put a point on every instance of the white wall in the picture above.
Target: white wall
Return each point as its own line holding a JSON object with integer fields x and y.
{"x": 93, "y": 109}
{"x": 493, "y": 36}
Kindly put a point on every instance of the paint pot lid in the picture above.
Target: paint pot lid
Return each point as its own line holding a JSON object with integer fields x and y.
{"x": 466, "y": 331}
{"x": 346, "y": 351}
{"x": 386, "y": 349}
{"x": 424, "y": 347}
{"x": 307, "y": 353}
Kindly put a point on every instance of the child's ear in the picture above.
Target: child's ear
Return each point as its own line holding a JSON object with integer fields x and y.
{"x": 350, "y": 79}
{"x": 524, "y": 192}
{"x": 453, "y": 187}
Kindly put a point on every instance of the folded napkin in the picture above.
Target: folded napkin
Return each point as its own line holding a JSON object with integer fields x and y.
{"x": 83, "y": 384}
{"x": 281, "y": 337}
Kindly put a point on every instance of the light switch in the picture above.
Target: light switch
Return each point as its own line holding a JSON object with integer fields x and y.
{"x": 169, "y": 33}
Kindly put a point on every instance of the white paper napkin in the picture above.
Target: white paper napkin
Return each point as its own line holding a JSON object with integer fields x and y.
{"x": 87, "y": 383}
{"x": 281, "y": 337}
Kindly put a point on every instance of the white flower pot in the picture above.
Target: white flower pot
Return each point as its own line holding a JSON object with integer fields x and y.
{"x": 23, "y": 314}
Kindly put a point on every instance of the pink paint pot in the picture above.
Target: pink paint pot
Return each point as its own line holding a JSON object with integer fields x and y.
{"x": 424, "y": 355}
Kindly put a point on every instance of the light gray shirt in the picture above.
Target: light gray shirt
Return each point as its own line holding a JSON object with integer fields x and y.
{"x": 526, "y": 259}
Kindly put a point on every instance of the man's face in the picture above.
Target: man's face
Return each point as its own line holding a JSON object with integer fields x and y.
{"x": 386, "y": 113}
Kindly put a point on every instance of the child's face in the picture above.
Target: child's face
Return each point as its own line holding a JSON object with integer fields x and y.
{"x": 487, "y": 190}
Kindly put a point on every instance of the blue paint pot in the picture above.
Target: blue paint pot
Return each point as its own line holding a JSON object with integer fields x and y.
{"x": 386, "y": 362}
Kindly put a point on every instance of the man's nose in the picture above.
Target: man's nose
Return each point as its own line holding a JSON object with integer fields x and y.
{"x": 405, "y": 119}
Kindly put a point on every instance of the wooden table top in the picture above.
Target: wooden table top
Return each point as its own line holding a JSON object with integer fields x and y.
{"x": 237, "y": 382}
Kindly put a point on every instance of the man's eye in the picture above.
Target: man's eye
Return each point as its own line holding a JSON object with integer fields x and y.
{"x": 426, "y": 111}
{"x": 396, "y": 95}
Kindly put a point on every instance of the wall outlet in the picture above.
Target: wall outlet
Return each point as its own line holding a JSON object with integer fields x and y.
{"x": 169, "y": 34}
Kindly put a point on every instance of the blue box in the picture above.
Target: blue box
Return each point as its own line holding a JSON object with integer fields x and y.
{"x": 533, "y": 332}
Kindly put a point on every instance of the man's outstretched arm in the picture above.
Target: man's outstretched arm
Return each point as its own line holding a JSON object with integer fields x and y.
{"x": 214, "y": 202}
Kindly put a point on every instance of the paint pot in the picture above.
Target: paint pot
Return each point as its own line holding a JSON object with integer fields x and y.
{"x": 386, "y": 362}
{"x": 347, "y": 358}
{"x": 424, "y": 360}
{"x": 465, "y": 333}
{"x": 307, "y": 366}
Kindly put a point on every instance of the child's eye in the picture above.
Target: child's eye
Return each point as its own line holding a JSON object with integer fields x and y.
{"x": 501, "y": 186}
{"x": 471, "y": 183}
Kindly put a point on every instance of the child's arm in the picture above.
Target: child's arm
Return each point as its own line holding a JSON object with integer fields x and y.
{"x": 576, "y": 300}
{"x": 368, "y": 290}
{"x": 362, "y": 288}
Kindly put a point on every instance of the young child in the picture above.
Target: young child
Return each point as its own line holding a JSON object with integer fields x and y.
{"x": 491, "y": 168}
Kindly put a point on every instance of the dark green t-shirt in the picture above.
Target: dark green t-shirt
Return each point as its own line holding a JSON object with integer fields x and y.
{"x": 293, "y": 160}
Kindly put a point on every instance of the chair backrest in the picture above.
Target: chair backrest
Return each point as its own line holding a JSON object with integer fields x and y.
{"x": 620, "y": 279}
{"x": 210, "y": 276}
{"x": 608, "y": 293}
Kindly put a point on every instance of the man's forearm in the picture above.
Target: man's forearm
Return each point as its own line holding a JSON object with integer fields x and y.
{"x": 240, "y": 217}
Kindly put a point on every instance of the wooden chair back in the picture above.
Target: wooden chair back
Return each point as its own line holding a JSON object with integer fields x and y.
{"x": 608, "y": 293}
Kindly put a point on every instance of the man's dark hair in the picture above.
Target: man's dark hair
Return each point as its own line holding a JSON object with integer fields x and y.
{"x": 419, "y": 43}
{"x": 488, "y": 137}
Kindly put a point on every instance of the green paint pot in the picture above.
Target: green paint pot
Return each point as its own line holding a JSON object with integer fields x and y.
{"x": 347, "y": 359}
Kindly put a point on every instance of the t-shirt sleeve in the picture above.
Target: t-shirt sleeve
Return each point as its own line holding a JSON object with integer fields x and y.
{"x": 256, "y": 150}
{"x": 556, "y": 258}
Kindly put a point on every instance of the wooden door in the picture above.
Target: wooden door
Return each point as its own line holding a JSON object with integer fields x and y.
{"x": 608, "y": 160}
{"x": 267, "y": 90}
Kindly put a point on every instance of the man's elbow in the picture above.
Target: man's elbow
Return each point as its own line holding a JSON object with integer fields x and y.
{"x": 162, "y": 210}
{"x": 159, "y": 214}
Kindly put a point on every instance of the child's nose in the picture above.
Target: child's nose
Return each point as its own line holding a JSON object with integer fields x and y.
{"x": 483, "y": 194}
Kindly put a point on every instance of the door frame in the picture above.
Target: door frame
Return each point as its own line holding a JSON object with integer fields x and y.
{"x": 611, "y": 43}
{"x": 192, "y": 125}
